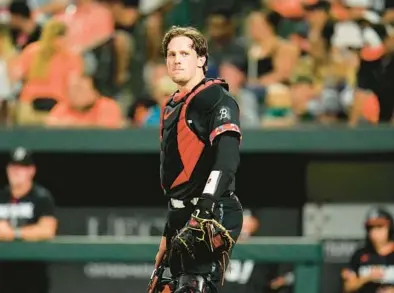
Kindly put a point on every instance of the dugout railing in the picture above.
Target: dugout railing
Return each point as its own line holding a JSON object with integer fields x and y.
{"x": 305, "y": 253}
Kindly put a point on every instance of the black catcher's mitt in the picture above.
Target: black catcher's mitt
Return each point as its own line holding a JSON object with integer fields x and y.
{"x": 200, "y": 236}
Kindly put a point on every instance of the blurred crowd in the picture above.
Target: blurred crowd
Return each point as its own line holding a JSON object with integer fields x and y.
{"x": 98, "y": 63}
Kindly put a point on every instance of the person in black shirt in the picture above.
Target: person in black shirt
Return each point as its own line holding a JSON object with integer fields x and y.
{"x": 376, "y": 69}
{"x": 27, "y": 214}
{"x": 25, "y": 29}
{"x": 200, "y": 137}
{"x": 371, "y": 268}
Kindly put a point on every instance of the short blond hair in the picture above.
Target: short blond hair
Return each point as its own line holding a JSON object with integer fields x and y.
{"x": 200, "y": 44}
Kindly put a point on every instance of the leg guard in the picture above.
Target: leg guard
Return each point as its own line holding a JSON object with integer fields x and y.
{"x": 191, "y": 283}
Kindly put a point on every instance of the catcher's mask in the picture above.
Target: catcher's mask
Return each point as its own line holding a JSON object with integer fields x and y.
{"x": 191, "y": 283}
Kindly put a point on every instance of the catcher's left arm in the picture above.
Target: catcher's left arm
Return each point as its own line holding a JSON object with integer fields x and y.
{"x": 203, "y": 231}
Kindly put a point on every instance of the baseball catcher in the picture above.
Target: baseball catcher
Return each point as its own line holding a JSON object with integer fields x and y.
{"x": 200, "y": 136}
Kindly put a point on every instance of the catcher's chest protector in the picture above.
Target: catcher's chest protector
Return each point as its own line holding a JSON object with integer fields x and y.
{"x": 181, "y": 148}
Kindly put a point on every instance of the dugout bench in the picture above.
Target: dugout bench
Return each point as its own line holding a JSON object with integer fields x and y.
{"x": 306, "y": 254}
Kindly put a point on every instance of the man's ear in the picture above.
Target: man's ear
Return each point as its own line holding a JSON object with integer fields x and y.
{"x": 201, "y": 61}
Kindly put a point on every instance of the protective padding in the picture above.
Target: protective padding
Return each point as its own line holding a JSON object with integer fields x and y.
{"x": 191, "y": 283}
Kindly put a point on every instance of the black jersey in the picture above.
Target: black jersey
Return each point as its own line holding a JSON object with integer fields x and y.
{"x": 364, "y": 260}
{"x": 190, "y": 125}
{"x": 376, "y": 69}
{"x": 26, "y": 211}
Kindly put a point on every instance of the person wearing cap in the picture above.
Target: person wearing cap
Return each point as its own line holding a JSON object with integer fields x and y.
{"x": 26, "y": 214}
{"x": 371, "y": 268}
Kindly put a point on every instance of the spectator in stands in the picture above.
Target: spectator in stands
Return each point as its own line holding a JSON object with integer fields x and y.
{"x": 375, "y": 74}
{"x": 278, "y": 111}
{"x": 87, "y": 14}
{"x": 314, "y": 39}
{"x": 125, "y": 14}
{"x": 27, "y": 30}
{"x": 139, "y": 109}
{"x": 336, "y": 91}
{"x": 164, "y": 89}
{"x": 234, "y": 72}
{"x": 272, "y": 59}
{"x": 319, "y": 31}
{"x": 8, "y": 55}
{"x": 292, "y": 9}
{"x": 85, "y": 108}
{"x": 222, "y": 41}
{"x": 154, "y": 12}
{"x": 45, "y": 68}
{"x": 109, "y": 51}
{"x": 305, "y": 99}
{"x": 153, "y": 74}
{"x": 27, "y": 214}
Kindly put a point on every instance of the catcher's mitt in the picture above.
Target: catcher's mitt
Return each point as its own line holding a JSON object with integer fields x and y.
{"x": 201, "y": 236}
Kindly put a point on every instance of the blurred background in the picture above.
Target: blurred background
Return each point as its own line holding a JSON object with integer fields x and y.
{"x": 314, "y": 81}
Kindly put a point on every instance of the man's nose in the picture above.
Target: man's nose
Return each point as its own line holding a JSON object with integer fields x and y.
{"x": 177, "y": 58}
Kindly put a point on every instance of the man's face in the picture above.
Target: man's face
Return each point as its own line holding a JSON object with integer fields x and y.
{"x": 379, "y": 234}
{"x": 182, "y": 60}
{"x": 19, "y": 175}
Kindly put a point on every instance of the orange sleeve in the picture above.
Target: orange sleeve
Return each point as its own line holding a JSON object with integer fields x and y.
{"x": 110, "y": 114}
{"x": 58, "y": 113}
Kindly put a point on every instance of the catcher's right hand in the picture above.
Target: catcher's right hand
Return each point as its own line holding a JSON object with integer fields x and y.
{"x": 162, "y": 250}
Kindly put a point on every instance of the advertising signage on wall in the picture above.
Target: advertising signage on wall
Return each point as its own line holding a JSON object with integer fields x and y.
{"x": 243, "y": 276}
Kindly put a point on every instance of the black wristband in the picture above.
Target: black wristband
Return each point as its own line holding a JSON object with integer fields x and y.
{"x": 206, "y": 203}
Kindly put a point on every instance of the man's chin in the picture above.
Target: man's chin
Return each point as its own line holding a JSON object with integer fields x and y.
{"x": 179, "y": 80}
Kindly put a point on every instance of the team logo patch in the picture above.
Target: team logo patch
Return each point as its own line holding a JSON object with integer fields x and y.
{"x": 224, "y": 114}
